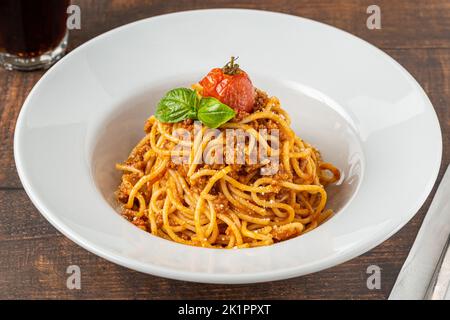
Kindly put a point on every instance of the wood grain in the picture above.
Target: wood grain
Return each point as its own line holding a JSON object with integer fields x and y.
{"x": 405, "y": 23}
{"x": 34, "y": 256}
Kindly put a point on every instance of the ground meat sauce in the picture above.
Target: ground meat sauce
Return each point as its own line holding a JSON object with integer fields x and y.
{"x": 261, "y": 99}
{"x": 239, "y": 172}
{"x": 280, "y": 233}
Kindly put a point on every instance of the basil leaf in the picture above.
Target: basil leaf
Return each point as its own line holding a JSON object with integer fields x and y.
{"x": 182, "y": 103}
{"x": 214, "y": 113}
{"x": 177, "y": 105}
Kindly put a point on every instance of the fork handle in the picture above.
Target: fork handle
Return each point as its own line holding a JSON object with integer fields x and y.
{"x": 439, "y": 284}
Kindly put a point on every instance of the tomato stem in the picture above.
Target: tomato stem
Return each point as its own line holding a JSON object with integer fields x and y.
{"x": 231, "y": 68}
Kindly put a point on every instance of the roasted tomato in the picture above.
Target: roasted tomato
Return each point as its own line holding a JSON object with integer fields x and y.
{"x": 231, "y": 86}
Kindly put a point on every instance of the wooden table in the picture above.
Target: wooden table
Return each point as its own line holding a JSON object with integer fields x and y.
{"x": 34, "y": 256}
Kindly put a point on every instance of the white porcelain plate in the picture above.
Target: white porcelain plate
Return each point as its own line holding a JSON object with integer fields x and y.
{"x": 357, "y": 105}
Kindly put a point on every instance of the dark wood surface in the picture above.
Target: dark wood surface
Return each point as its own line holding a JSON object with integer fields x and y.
{"x": 34, "y": 256}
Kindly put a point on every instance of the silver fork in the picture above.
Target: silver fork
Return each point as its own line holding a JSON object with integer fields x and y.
{"x": 426, "y": 272}
{"x": 439, "y": 284}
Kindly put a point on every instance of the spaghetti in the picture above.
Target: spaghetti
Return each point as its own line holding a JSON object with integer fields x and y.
{"x": 224, "y": 205}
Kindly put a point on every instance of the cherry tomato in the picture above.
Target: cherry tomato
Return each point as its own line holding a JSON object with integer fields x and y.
{"x": 235, "y": 90}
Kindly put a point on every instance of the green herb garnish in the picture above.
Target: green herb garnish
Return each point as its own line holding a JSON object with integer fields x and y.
{"x": 177, "y": 105}
{"x": 182, "y": 103}
{"x": 214, "y": 113}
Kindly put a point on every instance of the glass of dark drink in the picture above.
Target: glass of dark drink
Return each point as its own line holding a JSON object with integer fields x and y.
{"x": 33, "y": 33}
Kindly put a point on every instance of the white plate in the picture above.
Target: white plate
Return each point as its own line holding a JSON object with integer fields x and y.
{"x": 357, "y": 105}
